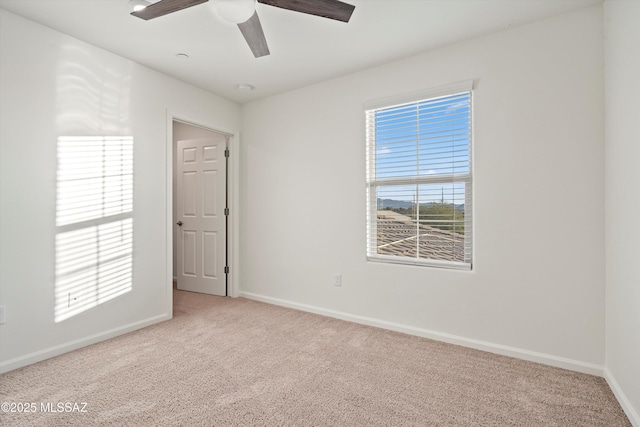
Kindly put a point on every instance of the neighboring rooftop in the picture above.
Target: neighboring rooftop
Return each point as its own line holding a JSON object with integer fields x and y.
{"x": 397, "y": 236}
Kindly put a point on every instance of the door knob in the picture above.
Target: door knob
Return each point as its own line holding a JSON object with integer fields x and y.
{"x": 179, "y": 223}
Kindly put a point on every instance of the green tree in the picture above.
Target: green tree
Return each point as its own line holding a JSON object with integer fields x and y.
{"x": 440, "y": 215}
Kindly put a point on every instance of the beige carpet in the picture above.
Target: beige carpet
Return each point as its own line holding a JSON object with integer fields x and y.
{"x": 228, "y": 362}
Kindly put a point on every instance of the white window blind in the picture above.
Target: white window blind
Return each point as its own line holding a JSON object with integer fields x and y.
{"x": 419, "y": 178}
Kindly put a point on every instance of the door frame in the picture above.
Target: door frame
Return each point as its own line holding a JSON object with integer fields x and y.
{"x": 233, "y": 174}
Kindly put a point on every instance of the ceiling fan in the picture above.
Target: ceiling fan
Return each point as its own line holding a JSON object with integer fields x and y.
{"x": 243, "y": 13}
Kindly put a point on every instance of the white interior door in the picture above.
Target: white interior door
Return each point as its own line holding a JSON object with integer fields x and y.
{"x": 201, "y": 222}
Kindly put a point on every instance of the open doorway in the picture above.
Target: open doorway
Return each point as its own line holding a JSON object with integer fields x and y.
{"x": 200, "y": 209}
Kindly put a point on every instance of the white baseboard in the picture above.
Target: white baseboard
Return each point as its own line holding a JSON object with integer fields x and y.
{"x": 57, "y": 350}
{"x": 625, "y": 403}
{"x": 532, "y": 356}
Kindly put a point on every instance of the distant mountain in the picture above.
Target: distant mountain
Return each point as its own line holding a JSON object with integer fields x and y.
{"x": 389, "y": 203}
{"x": 395, "y": 204}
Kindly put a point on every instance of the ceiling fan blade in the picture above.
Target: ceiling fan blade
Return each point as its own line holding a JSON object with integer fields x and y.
{"x": 253, "y": 34}
{"x": 165, "y": 7}
{"x": 332, "y": 9}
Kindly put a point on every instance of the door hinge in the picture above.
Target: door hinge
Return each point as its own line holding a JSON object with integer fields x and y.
{"x": 226, "y": 269}
{"x": 226, "y": 211}
{"x": 226, "y": 152}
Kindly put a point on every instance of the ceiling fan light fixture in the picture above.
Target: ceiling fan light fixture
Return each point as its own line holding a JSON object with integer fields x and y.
{"x": 138, "y": 5}
{"x": 234, "y": 11}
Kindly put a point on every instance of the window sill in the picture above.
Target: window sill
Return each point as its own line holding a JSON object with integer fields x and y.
{"x": 420, "y": 263}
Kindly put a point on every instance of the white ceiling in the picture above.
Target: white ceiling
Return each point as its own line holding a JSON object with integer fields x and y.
{"x": 304, "y": 49}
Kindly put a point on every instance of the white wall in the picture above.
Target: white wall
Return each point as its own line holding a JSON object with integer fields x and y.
{"x": 622, "y": 55}
{"x": 537, "y": 287}
{"x": 53, "y": 85}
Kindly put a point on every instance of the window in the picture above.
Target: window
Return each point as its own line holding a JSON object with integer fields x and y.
{"x": 419, "y": 178}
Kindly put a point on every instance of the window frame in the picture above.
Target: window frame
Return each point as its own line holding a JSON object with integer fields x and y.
{"x": 373, "y": 182}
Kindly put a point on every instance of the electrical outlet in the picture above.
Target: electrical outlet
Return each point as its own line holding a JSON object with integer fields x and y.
{"x": 71, "y": 300}
{"x": 3, "y": 314}
{"x": 337, "y": 279}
